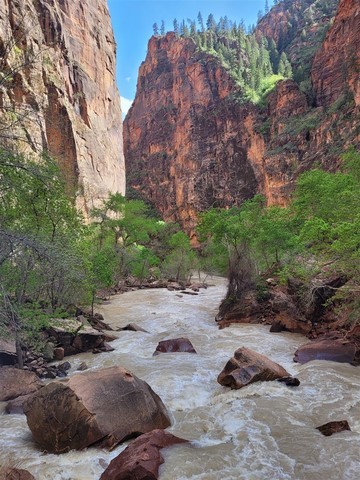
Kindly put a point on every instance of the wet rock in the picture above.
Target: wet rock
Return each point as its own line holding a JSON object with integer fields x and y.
{"x": 133, "y": 327}
{"x": 247, "y": 367}
{"x": 59, "y": 353}
{"x": 290, "y": 381}
{"x": 186, "y": 292}
{"x": 15, "y": 382}
{"x": 105, "y": 347}
{"x": 103, "y": 406}
{"x": 334, "y": 427}
{"x": 16, "y": 474}
{"x": 175, "y": 345}
{"x": 336, "y": 350}
{"x": 142, "y": 458}
{"x": 7, "y": 353}
{"x": 83, "y": 366}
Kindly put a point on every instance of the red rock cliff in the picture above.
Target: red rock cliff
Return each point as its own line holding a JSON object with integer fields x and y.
{"x": 336, "y": 67}
{"x": 190, "y": 144}
{"x": 62, "y": 57}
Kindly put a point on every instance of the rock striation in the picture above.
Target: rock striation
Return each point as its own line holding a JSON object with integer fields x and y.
{"x": 58, "y": 80}
{"x": 190, "y": 144}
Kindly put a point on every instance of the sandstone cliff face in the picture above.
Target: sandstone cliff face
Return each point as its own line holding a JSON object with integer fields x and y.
{"x": 190, "y": 144}
{"x": 61, "y": 85}
{"x": 336, "y": 67}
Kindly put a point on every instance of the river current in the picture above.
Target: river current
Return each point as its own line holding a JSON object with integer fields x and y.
{"x": 265, "y": 431}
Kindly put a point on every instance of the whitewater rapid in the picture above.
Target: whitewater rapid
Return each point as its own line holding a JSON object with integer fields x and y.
{"x": 263, "y": 431}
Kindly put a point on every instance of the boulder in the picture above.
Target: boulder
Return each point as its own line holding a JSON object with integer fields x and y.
{"x": 15, "y": 474}
{"x": 16, "y": 406}
{"x": 104, "y": 406}
{"x": 335, "y": 350}
{"x": 175, "y": 345}
{"x": 334, "y": 427}
{"x": 142, "y": 458}
{"x": 8, "y": 354}
{"x": 15, "y": 382}
{"x": 133, "y": 327}
{"x": 247, "y": 367}
{"x": 290, "y": 381}
{"x": 59, "y": 353}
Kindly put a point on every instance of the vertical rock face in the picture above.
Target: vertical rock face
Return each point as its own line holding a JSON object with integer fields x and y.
{"x": 336, "y": 67}
{"x": 187, "y": 144}
{"x": 59, "y": 57}
{"x": 191, "y": 144}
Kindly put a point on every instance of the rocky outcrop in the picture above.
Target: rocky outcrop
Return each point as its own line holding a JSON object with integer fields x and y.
{"x": 59, "y": 82}
{"x": 336, "y": 67}
{"x": 142, "y": 458}
{"x": 247, "y": 366}
{"x": 103, "y": 406}
{"x": 15, "y": 382}
{"x": 175, "y": 345}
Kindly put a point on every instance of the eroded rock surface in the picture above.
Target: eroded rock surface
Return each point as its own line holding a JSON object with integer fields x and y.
{"x": 142, "y": 458}
{"x": 247, "y": 366}
{"x": 64, "y": 89}
{"x": 106, "y": 406}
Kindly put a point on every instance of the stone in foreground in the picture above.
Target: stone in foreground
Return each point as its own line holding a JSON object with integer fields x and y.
{"x": 103, "y": 406}
{"x": 175, "y": 345}
{"x": 336, "y": 350}
{"x": 334, "y": 427}
{"x": 15, "y": 474}
{"x": 142, "y": 458}
{"x": 248, "y": 366}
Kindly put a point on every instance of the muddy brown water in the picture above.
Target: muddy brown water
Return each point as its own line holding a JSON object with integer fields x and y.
{"x": 265, "y": 431}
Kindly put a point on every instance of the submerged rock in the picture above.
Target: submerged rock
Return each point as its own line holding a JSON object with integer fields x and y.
{"x": 103, "y": 406}
{"x": 333, "y": 427}
{"x": 247, "y": 367}
{"x": 133, "y": 327}
{"x": 142, "y": 458}
{"x": 175, "y": 345}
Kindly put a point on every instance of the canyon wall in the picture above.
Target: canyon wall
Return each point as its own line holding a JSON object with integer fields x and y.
{"x": 58, "y": 82}
{"x": 191, "y": 143}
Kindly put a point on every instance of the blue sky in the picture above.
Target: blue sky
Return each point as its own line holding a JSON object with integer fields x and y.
{"x": 133, "y": 20}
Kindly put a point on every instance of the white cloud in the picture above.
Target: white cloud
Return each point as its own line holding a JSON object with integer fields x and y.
{"x": 125, "y": 105}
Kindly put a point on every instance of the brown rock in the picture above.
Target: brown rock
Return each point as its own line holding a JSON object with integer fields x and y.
{"x": 133, "y": 327}
{"x": 142, "y": 458}
{"x": 334, "y": 350}
{"x": 59, "y": 353}
{"x": 247, "y": 367}
{"x": 334, "y": 427}
{"x": 106, "y": 406}
{"x": 15, "y": 382}
{"x": 175, "y": 345}
{"x": 15, "y": 474}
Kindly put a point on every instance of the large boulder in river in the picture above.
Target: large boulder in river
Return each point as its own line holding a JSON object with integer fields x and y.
{"x": 175, "y": 345}
{"x": 142, "y": 458}
{"x": 335, "y": 350}
{"x": 103, "y": 406}
{"x": 248, "y": 366}
{"x": 15, "y": 382}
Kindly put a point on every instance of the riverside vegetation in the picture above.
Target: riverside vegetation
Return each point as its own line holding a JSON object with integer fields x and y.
{"x": 52, "y": 260}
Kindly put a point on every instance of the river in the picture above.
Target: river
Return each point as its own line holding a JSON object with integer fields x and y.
{"x": 265, "y": 431}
